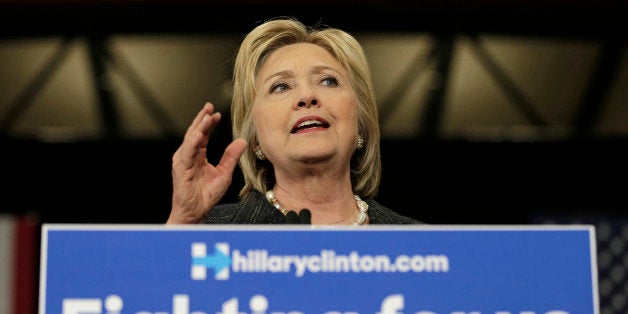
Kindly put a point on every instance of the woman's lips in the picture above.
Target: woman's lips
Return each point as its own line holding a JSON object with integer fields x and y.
{"x": 309, "y": 123}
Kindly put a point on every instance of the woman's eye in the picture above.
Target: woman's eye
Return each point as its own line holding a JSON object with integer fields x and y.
{"x": 330, "y": 81}
{"x": 278, "y": 87}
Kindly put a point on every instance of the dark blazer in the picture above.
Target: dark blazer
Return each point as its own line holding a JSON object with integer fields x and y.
{"x": 255, "y": 209}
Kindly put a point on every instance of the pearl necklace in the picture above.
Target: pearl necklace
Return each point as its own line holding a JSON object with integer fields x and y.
{"x": 362, "y": 206}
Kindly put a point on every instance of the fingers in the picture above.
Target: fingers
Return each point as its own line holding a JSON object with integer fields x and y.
{"x": 204, "y": 121}
{"x": 208, "y": 123}
{"x": 197, "y": 135}
{"x": 207, "y": 109}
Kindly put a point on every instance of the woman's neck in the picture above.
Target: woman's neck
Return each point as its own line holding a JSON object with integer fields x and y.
{"x": 333, "y": 204}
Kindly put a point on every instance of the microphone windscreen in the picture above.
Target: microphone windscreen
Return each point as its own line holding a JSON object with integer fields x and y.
{"x": 305, "y": 216}
{"x": 292, "y": 217}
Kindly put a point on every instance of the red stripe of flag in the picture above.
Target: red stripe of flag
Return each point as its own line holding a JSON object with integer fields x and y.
{"x": 25, "y": 265}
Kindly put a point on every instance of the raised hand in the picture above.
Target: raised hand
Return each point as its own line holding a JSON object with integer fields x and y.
{"x": 198, "y": 185}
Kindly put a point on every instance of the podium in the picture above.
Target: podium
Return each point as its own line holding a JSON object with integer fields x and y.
{"x": 162, "y": 269}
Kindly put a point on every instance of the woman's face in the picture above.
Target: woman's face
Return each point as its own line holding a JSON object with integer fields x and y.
{"x": 305, "y": 109}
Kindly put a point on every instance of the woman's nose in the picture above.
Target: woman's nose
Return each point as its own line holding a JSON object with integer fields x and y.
{"x": 307, "y": 103}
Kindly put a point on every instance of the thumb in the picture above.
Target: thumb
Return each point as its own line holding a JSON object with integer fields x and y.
{"x": 232, "y": 154}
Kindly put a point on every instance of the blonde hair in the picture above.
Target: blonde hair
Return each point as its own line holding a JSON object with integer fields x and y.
{"x": 255, "y": 48}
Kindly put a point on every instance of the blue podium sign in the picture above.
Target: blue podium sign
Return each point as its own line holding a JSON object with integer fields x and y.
{"x": 159, "y": 269}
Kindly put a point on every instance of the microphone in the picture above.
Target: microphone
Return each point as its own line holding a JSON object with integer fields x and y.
{"x": 304, "y": 217}
{"x": 292, "y": 217}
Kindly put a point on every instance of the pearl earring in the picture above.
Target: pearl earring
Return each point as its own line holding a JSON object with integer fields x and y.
{"x": 359, "y": 142}
{"x": 259, "y": 154}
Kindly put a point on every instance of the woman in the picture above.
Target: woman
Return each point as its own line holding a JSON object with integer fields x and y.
{"x": 306, "y": 135}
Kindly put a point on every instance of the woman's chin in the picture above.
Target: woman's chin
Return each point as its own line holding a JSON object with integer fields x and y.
{"x": 316, "y": 156}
